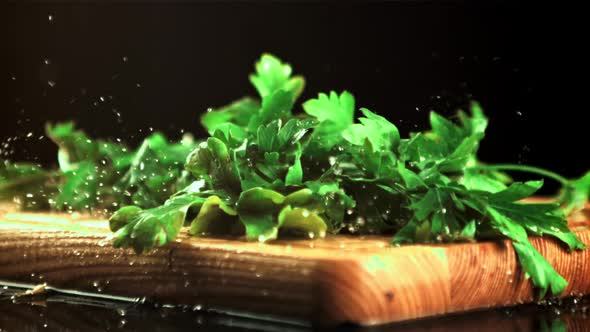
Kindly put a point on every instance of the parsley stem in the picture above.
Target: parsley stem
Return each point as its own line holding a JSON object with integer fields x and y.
{"x": 526, "y": 169}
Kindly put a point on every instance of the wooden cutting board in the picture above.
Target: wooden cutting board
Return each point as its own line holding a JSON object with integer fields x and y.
{"x": 339, "y": 279}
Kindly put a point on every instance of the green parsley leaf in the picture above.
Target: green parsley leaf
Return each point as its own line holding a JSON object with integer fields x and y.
{"x": 382, "y": 134}
{"x": 216, "y": 217}
{"x": 143, "y": 230}
{"x": 295, "y": 173}
{"x": 237, "y": 113}
{"x": 273, "y": 75}
{"x": 575, "y": 194}
{"x": 257, "y": 208}
{"x": 334, "y": 113}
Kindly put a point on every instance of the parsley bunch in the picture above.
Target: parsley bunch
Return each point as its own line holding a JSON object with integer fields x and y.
{"x": 267, "y": 171}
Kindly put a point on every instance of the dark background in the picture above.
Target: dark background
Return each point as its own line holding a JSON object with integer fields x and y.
{"x": 161, "y": 65}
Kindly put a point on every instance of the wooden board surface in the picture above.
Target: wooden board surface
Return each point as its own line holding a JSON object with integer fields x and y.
{"x": 328, "y": 281}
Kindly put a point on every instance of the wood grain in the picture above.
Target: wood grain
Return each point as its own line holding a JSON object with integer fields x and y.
{"x": 329, "y": 281}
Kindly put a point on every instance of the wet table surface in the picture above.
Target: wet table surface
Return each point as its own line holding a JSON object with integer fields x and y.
{"x": 58, "y": 312}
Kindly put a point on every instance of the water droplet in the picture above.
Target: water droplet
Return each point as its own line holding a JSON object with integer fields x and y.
{"x": 519, "y": 113}
{"x": 50, "y": 17}
{"x": 305, "y": 213}
{"x": 198, "y": 307}
{"x": 360, "y": 221}
{"x": 125, "y": 59}
{"x": 51, "y": 83}
{"x": 121, "y": 312}
{"x": 104, "y": 242}
{"x": 46, "y": 61}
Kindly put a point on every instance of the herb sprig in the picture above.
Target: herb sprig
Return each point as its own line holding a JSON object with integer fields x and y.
{"x": 98, "y": 175}
{"x": 267, "y": 171}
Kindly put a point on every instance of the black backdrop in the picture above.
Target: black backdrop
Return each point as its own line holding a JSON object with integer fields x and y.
{"x": 161, "y": 65}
